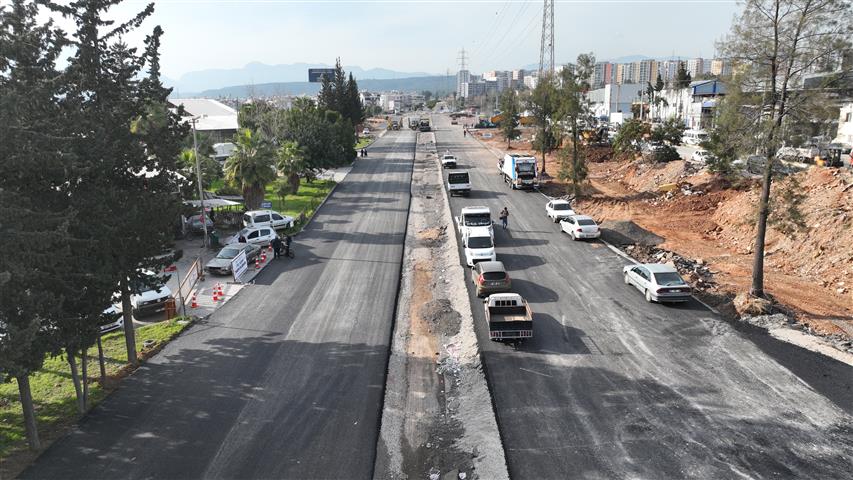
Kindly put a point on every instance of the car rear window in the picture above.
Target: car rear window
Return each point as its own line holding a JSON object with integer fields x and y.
{"x": 668, "y": 278}
{"x": 457, "y": 178}
{"x": 586, "y": 222}
{"x": 562, "y": 206}
{"x": 494, "y": 275}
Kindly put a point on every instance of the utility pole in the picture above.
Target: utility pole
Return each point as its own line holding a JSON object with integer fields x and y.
{"x": 200, "y": 188}
{"x": 546, "y": 48}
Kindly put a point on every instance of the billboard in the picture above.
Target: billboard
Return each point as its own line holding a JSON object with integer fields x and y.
{"x": 315, "y": 73}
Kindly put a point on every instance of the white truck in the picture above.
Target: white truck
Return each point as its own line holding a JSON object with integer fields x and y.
{"x": 479, "y": 245}
{"x": 519, "y": 170}
{"x": 448, "y": 161}
{"x": 459, "y": 183}
{"x": 474, "y": 217}
{"x": 508, "y": 317}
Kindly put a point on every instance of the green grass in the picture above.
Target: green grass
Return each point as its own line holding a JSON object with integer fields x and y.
{"x": 309, "y": 197}
{"x": 53, "y": 391}
{"x": 363, "y": 142}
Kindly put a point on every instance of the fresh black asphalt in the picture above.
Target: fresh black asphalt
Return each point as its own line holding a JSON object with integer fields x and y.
{"x": 286, "y": 379}
{"x": 613, "y": 387}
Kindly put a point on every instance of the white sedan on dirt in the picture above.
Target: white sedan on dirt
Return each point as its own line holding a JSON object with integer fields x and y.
{"x": 658, "y": 282}
{"x": 701, "y": 157}
{"x": 580, "y": 226}
{"x": 557, "y": 210}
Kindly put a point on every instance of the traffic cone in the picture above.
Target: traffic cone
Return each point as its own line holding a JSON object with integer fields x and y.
{"x": 221, "y": 292}
{"x": 215, "y": 294}
{"x": 194, "y": 303}
{"x": 263, "y": 257}
{"x": 257, "y": 263}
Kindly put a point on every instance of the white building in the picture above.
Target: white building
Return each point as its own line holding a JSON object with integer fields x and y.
{"x": 694, "y": 105}
{"x": 530, "y": 81}
{"x": 695, "y": 67}
{"x": 214, "y": 118}
{"x": 462, "y": 77}
{"x": 845, "y": 125}
{"x": 613, "y": 98}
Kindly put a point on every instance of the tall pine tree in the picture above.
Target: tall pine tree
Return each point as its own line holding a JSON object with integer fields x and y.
{"x": 34, "y": 213}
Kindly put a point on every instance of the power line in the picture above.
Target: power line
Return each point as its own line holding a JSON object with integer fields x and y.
{"x": 506, "y": 34}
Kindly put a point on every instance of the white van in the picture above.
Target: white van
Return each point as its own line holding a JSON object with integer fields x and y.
{"x": 479, "y": 245}
{"x": 266, "y": 218}
{"x": 694, "y": 137}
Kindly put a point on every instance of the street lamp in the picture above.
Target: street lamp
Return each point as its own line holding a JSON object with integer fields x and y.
{"x": 198, "y": 180}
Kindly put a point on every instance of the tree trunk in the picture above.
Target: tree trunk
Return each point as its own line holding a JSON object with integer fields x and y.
{"x": 29, "y": 412}
{"x": 293, "y": 180}
{"x": 75, "y": 378}
{"x": 757, "y": 288}
{"x": 129, "y": 332}
{"x": 84, "y": 370}
{"x": 101, "y": 362}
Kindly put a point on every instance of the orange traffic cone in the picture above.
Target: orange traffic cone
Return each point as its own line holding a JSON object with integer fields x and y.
{"x": 215, "y": 294}
{"x": 257, "y": 263}
{"x": 263, "y": 257}
{"x": 194, "y": 304}
{"x": 219, "y": 289}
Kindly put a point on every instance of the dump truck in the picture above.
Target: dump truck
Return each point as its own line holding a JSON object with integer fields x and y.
{"x": 508, "y": 317}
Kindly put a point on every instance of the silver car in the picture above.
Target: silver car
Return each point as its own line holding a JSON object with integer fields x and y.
{"x": 580, "y": 226}
{"x": 658, "y": 282}
{"x": 221, "y": 264}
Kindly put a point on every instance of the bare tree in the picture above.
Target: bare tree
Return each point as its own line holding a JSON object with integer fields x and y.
{"x": 773, "y": 44}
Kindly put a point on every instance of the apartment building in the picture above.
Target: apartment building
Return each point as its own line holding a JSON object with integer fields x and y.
{"x": 646, "y": 71}
{"x": 695, "y": 67}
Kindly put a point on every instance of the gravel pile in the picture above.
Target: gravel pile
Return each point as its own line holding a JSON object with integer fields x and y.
{"x": 626, "y": 232}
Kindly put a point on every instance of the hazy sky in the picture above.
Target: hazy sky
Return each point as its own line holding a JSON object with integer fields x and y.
{"x": 424, "y": 35}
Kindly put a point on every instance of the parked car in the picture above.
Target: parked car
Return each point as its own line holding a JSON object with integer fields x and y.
{"x": 150, "y": 300}
{"x": 263, "y": 218}
{"x": 194, "y": 224}
{"x": 701, "y": 156}
{"x": 261, "y": 236}
{"x": 111, "y": 319}
{"x": 580, "y": 226}
{"x": 366, "y": 131}
{"x": 557, "y": 210}
{"x": 448, "y": 161}
{"x": 221, "y": 263}
{"x": 490, "y": 277}
{"x": 658, "y": 282}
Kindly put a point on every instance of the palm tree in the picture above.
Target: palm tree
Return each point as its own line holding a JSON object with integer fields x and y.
{"x": 250, "y": 167}
{"x": 291, "y": 163}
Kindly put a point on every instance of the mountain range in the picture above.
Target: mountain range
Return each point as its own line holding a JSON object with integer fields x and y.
{"x": 433, "y": 83}
{"x": 257, "y": 73}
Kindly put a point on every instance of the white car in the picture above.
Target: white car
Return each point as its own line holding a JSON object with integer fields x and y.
{"x": 112, "y": 319}
{"x": 448, "y": 161}
{"x": 658, "y": 282}
{"x": 267, "y": 218}
{"x": 580, "y": 226}
{"x": 149, "y": 300}
{"x": 366, "y": 131}
{"x": 701, "y": 156}
{"x": 262, "y": 236}
{"x": 558, "y": 210}
{"x": 479, "y": 246}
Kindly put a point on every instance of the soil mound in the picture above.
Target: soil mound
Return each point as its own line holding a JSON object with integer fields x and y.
{"x": 626, "y": 232}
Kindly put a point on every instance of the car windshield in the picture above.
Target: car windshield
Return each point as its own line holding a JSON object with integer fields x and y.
{"x": 494, "y": 275}
{"x": 668, "y": 278}
{"x": 586, "y": 222}
{"x": 478, "y": 219}
{"x": 562, "y": 206}
{"x": 228, "y": 253}
{"x": 480, "y": 242}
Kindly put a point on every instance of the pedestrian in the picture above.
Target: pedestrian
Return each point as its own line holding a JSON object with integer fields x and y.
{"x": 464, "y": 132}
{"x": 241, "y": 238}
{"x": 287, "y": 241}
{"x": 365, "y": 152}
{"x": 276, "y": 247}
{"x": 504, "y": 217}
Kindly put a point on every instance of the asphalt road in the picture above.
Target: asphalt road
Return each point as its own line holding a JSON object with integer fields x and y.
{"x": 613, "y": 387}
{"x": 284, "y": 381}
